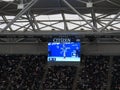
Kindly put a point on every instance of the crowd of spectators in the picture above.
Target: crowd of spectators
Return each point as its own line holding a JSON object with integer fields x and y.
{"x": 60, "y": 77}
{"x": 115, "y": 85}
{"x": 21, "y": 72}
{"x": 25, "y": 72}
{"x": 94, "y": 73}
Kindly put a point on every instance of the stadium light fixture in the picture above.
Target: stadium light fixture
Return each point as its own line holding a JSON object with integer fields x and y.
{"x": 20, "y": 6}
{"x": 89, "y": 4}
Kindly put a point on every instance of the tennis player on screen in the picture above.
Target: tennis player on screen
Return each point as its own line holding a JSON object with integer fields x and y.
{"x": 64, "y": 50}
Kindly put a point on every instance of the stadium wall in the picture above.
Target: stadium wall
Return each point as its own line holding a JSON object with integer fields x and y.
{"x": 41, "y": 48}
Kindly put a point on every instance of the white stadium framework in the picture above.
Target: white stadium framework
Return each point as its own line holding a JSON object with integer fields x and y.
{"x": 59, "y": 17}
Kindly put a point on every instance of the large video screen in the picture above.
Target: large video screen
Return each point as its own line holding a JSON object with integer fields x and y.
{"x": 64, "y": 52}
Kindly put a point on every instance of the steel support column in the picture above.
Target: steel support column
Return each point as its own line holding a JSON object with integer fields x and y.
{"x": 93, "y": 17}
{"x": 30, "y": 21}
{"x": 35, "y": 22}
{"x": 65, "y": 23}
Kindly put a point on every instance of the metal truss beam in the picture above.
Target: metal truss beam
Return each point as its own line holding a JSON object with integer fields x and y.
{"x": 46, "y": 25}
{"x": 65, "y": 24}
{"x": 47, "y": 20}
{"x": 103, "y": 29}
{"x": 35, "y": 22}
{"x": 110, "y": 25}
{"x": 99, "y": 1}
{"x": 93, "y": 2}
{"x": 31, "y": 21}
{"x": 83, "y": 25}
{"x": 51, "y": 26}
{"x": 82, "y": 1}
{"x": 20, "y": 27}
{"x": 100, "y": 24}
{"x": 56, "y": 33}
{"x": 6, "y": 21}
{"x": 70, "y": 6}
{"x": 113, "y": 3}
{"x": 93, "y": 17}
{"x": 20, "y": 14}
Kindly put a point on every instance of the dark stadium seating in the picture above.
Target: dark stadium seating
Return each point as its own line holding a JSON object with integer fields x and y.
{"x": 94, "y": 74}
{"x": 60, "y": 77}
{"x": 116, "y": 74}
{"x": 21, "y": 72}
{"x": 26, "y": 72}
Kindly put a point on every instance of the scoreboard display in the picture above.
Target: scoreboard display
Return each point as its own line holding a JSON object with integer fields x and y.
{"x": 64, "y": 50}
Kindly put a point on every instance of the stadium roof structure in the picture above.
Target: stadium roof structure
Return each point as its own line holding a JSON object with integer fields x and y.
{"x": 59, "y": 17}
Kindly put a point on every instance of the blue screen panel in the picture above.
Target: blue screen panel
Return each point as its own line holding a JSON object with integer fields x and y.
{"x": 64, "y": 51}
